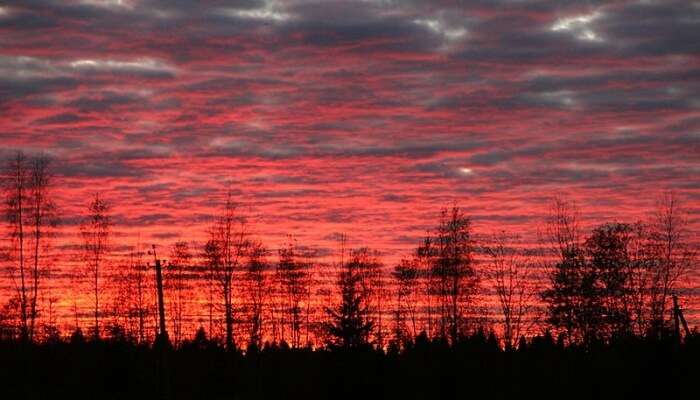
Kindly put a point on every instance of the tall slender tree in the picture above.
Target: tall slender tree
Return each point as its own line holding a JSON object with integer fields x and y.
{"x": 180, "y": 260}
{"x": 454, "y": 272}
{"x": 368, "y": 265}
{"x": 425, "y": 259}
{"x": 31, "y": 213}
{"x": 257, "y": 290}
{"x": 42, "y": 216}
{"x": 641, "y": 253}
{"x": 292, "y": 276}
{"x": 139, "y": 300}
{"x": 95, "y": 231}
{"x": 675, "y": 255}
{"x": 229, "y": 245}
{"x": 565, "y": 271}
{"x": 16, "y": 187}
{"x": 511, "y": 274}
{"x": 405, "y": 275}
{"x": 212, "y": 261}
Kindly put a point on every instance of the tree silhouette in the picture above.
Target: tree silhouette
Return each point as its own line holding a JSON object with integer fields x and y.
{"x": 293, "y": 280}
{"x": 256, "y": 290}
{"x": 31, "y": 213}
{"x": 454, "y": 274}
{"x": 227, "y": 248}
{"x": 349, "y": 326}
{"x": 609, "y": 255}
{"x": 139, "y": 299}
{"x": 567, "y": 274}
{"x": 366, "y": 263}
{"x": 675, "y": 255}
{"x": 406, "y": 275}
{"x": 180, "y": 260}
{"x": 212, "y": 261}
{"x": 425, "y": 256}
{"x": 511, "y": 271}
{"x": 95, "y": 231}
{"x": 16, "y": 186}
{"x": 43, "y": 218}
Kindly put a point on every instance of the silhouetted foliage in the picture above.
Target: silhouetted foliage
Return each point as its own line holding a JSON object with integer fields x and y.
{"x": 30, "y": 211}
{"x": 453, "y": 272}
{"x": 95, "y": 231}
{"x": 257, "y": 291}
{"x": 349, "y": 326}
{"x": 293, "y": 281}
{"x": 511, "y": 272}
{"x": 226, "y": 251}
{"x": 406, "y": 275}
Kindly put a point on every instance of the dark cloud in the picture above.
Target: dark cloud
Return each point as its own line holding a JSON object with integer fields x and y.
{"x": 61, "y": 119}
{"x": 107, "y": 101}
{"x": 99, "y": 168}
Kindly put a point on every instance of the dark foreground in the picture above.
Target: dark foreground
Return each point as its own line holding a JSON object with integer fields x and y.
{"x": 475, "y": 368}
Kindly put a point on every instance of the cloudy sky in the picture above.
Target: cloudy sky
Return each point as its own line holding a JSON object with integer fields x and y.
{"x": 363, "y": 117}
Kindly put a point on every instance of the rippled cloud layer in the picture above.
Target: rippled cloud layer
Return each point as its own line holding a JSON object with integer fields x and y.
{"x": 354, "y": 116}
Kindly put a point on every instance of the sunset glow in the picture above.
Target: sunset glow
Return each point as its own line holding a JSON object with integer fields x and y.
{"x": 361, "y": 118}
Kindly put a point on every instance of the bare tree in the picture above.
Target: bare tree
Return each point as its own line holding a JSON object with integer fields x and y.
{"x": 425, "y": 259}
{"x": 256, "y": 276}
{"x": 31, "y": 213}
{"x": 95, "y": 231}
{"x": 455, "y": 275}
{"x": 115, "y": 308}
{"x": 406, "y": 275}
{"x": 212, "y": 260}
{"x": 42, "y": 215}
{"x": 367, "y": 265}
{"x": 228, "y": 246}
{"x": 16, "y": 187}
{"x": 139, "y": 300}
{"x": 180, "y": 260}
{"x": 293, "y": 280}
{"x": 641, "y": 273}
{"x": 675, "y": 256}
{"x": 562, "y": 228}
{"x": 564, "y": 267}
{"x": 511, "y": 273}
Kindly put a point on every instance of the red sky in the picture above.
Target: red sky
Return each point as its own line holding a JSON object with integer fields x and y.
{"x": 360, "y": 117}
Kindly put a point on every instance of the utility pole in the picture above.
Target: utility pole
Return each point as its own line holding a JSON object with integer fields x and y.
{"x": 162, "y": 336}
{"x": 678, "y": 320}
{"x": 162, "y": 343}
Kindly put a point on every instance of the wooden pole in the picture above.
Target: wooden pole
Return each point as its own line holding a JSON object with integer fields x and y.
{"x": 162, "y": 343}
{"x": 162, "y": 332}
{"x": 676, "y": 319}
{"x": 679, "y": 319}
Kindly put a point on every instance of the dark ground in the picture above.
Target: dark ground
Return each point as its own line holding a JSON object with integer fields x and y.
{"x": 474, "y": 368}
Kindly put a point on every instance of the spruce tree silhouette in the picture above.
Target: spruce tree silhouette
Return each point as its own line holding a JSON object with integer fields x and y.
{"x": 349, "y": 327}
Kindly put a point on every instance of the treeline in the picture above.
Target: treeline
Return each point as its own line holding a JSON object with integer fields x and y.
{"x": 475, "y": 366}
{"x": 614, "y": 283}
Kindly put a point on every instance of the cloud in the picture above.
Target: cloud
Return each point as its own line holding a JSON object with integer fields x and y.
{"x": 579, "y": 26}
{"x": 358, "y": 116}
{"x": 60, "y": 119}
{"x": 141, "y": 66}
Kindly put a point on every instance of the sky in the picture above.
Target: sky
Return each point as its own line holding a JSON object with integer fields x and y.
{"x": 363, "y": 117}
